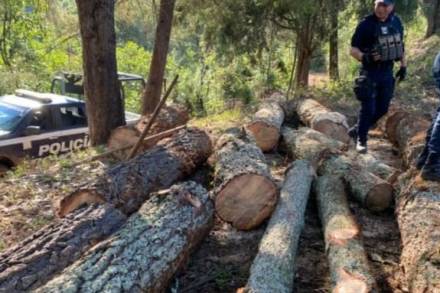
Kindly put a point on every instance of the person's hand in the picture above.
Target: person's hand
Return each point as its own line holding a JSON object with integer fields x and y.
{"x": 401, "y": 74}
{"x": 370, "y": 58}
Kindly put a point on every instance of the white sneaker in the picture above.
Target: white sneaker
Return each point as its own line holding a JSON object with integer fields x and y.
{"x": 361, "y": 147}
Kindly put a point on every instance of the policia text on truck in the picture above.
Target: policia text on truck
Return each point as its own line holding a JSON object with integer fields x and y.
{"x": 377, "y": 43}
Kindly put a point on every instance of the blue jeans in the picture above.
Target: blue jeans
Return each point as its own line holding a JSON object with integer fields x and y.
{"x": 373, "y": 108}
{"x": 433, "y": 134}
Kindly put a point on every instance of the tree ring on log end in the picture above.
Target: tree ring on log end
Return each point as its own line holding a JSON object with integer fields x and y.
{"x": 247, "y": 200}
{"x": 379, "y": 197}
{"x": 266, "y": 135}
{"x": 351, "y": 285}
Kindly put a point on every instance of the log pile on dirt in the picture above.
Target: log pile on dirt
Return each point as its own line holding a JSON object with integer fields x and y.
{"x": 273, "y": 269}
{"x": 128, "y": 184}
{"x": 266, "y": 125}
{"x": 169, "y": 117}
{"x": 369, "y": 190}
{"x": 245, "y": 190}
{"x": 348, "y": 262}
{"x": 322, "y": 119}
{"x": 148, "y": 250}
{"x": 38, "y": 258}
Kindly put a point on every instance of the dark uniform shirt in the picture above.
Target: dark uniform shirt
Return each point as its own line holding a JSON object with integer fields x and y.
{"x": 366, "y": 34}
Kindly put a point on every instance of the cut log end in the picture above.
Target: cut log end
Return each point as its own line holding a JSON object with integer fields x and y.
{"x": 333, "y": 130}
{"x": 77, "y": 199}
{"x": 266, "y": 135}
{"x": 351, "y": 285}
{"x": 247, "y": 200}
{"x": 379, "y": 197}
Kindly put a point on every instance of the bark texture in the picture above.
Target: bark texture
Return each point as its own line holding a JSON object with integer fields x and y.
{"x": 128, "y": 184}
{"x": 153, "y": 89}
{"x": 369, "y": 190}
{"x": 322, "y": 119}
{"x": 146, "y": 252}
{"x": 34, "y": 261}
{"x": 273, "y": 269}
{"x": 431, "y": 9}
{"x": 348, "y": 263}
{"x": 376, "y": 167}
{"x": 245, "y": 191}
{"x": 266, "y": 125}
{"x": 308, "y": 144}
{"x": 105, "y": 109}
{"x": 418, "y": 216}
{"x": 408, "y": 133}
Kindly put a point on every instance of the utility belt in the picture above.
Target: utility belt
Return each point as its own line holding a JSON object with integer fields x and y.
{"x": 363, "y": 86}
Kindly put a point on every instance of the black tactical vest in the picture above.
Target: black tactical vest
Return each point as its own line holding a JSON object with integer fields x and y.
{"x": 389, "y": 43}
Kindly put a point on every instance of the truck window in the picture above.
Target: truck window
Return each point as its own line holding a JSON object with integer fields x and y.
{"x": 40, "y": 118}
{"x": 72, "y": 116}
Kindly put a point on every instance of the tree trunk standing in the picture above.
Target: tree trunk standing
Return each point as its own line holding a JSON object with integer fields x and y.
{"x": 153, "y": 89}
{"x": 303, "y": 64}
{"x": 105, "y": 109}
{"x": 35, "y": 260}
{"x": 147, "y": 251}
{"x": 333, "y": 43}
{"x": 432, "y": 12}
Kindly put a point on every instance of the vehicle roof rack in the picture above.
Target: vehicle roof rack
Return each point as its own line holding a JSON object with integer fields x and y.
{"x": 31, "y": 95}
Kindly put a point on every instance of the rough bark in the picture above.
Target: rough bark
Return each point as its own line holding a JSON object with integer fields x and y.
{"x": 128, "y": 184}
{"x": 153, "y": 89}
{"x": 333, "y": 41}
{"x": 374, "y": 166}
{"x": 348, "y": 263}
{"x": 169, "y": 117}
{"x": 431, "y": 9}
{"x": 322, "y": 119}
{"x": 105, "y": 109}
{"x": 35, "y": 260}
{"x": 273, "y": 269}
{"x": 266, "y": 125}
{"x": 369, "y": 190}
{"x": 147, "y": 251}
{"x": 245, "y": 191}
{"x": 418, "y": 216}
{"x": 408, "y": 133}
{"x": 308, "y": 144}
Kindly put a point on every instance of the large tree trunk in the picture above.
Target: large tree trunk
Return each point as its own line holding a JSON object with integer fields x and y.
{"x": 368, "y": 189}
{"x": 35, "y": 260}
{"x": 418, "y": 216}
{"x": 322, "y": 119}
{"x": 266, "y": 125}
{"x": 431, "y": 9}
{"x": 246, "y": 194}
{"x": 348, "y": 262}
{"x": 303, "y": 63}
{"x": 308, "y": 144}
{"x": 333, "y": 41}
{"x": 169, "y": 117}
{"x": 105, "y": 109}
{"x": 408, "y": 133}
{"x": 144, "y": 255}
{"x": 273, "y": 269}
{"x": 128, "y": 184}
{"x": 153, "y": 89}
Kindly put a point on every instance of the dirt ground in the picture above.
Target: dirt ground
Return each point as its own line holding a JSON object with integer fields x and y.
{"x": 222, "y": 262}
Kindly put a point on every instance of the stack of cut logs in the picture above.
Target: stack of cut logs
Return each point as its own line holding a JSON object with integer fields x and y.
{"x": 134, "y": 227}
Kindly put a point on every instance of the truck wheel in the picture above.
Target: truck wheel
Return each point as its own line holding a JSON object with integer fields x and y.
{"x": 3, "y": 169}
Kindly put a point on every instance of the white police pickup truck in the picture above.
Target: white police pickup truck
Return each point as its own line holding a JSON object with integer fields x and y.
{"x": 35, "y": 125}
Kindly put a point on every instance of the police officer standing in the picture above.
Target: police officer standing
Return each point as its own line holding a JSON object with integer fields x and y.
{"x": 377, "y": 43}
{"x": 429, "y": 160}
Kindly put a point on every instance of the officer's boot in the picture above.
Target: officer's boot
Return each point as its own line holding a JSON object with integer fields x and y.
{"x": 361, "y": 146}
{"x": 421, "y": 159}
{"x": 431, "y": 169}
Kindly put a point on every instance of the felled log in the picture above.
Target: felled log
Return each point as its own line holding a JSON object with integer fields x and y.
{"x": 266, "y": 125}
{"x": 169, "y": 117}
{"x": 373, "y": 165}
{"x": 128, "y": 184}
{"x": 418, "y": 216}
{"x": 322, "y": 119}
{"x": 39, "y": 257}
{"x": 408, "y": 133}
{"x": 273, "y": 269}
{"x": 369, "y": 190}
{"x": 308, "y": 144}
{"x": 348, "y": 263}
{"x": 147, "y": 251}
{"x": 245, "y": 191}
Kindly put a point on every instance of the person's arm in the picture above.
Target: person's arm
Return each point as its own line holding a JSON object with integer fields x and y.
{"x": 403, "y": 60}
{"x": 356, "y": 53}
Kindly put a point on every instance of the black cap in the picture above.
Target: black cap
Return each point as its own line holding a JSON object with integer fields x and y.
{"x": 386, "y": 2}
